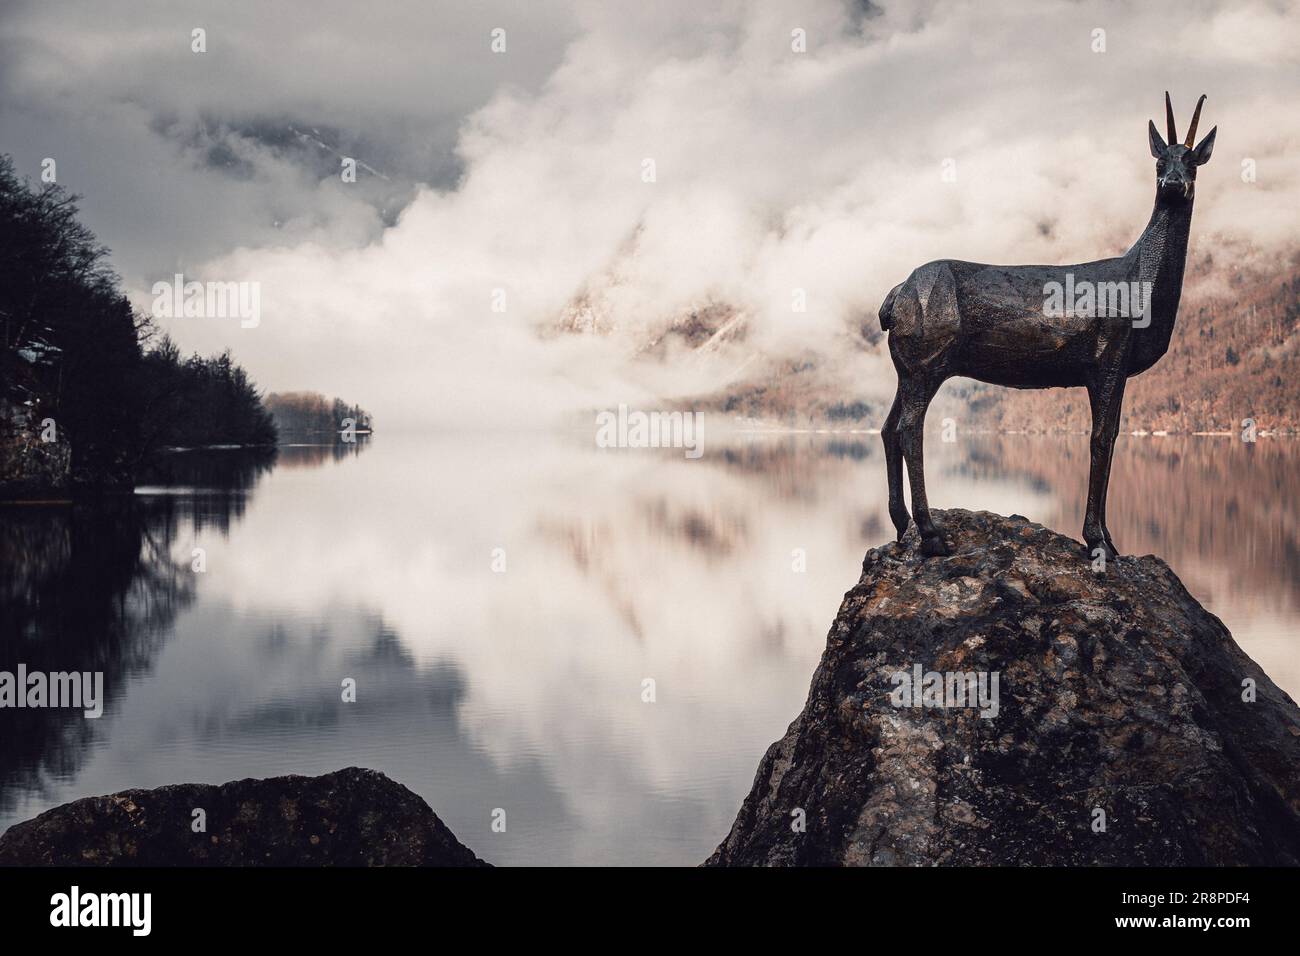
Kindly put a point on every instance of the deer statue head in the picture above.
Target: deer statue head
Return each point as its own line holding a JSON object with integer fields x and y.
{"x": 1176, "y": 162}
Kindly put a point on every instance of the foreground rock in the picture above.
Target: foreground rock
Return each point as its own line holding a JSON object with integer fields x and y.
{"x": 352, "y": 817}
{"x": 1118, "y": 694}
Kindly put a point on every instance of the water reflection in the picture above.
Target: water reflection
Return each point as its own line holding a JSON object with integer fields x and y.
{"x": 312, "y": 456}
{"x": 96, "y": 587}
{"x": 84, "y": 589}
{"x": 1220, "y": 511}
{"x": 501, "y": 600}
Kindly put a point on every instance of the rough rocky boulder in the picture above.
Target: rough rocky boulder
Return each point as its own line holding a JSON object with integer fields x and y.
{"x": 1128, "y": 727}
{"x": 351, "y": 817}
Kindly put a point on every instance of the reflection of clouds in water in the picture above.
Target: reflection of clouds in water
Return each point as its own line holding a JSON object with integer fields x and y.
{"x": 659, "y": 567}
{"x": 621, "y": 565}
{"x": 1270, "y": 638}
{"x": 522, "y": 690}
{"x": 242, "y": 696}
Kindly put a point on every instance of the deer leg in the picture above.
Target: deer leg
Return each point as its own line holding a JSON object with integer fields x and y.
{"x": 894, "y": 466}
{"x": 1107, "y": 398}
{"x": 1105, "y": 490}
{"x": 916, "y": 395}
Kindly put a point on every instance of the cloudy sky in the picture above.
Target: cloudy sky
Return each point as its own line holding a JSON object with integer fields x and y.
{"x": 523, "y": 170}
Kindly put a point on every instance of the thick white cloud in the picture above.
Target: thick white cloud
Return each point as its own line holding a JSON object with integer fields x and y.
{"x": 775, "y": 170}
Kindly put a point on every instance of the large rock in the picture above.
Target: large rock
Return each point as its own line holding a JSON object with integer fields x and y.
{"x": 351, "y": 817}
{"x": 1117, "y": 694}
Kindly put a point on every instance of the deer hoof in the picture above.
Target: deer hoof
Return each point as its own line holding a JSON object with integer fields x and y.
{"x": 933, "y": 546}
{"x": 899, "y": 515}
{"x": 1103, "y": 545}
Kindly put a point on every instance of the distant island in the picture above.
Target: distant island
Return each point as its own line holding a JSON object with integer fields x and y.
{"x": 312, "y": 418}
{"x": 91, "y": 393}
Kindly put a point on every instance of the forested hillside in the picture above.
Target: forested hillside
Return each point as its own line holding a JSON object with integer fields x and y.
{"x": 1235, "y": 354}
{"x": 88, "y": 390}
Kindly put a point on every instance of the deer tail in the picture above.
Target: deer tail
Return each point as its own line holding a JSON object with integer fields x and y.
{"x": 887, "y": 310}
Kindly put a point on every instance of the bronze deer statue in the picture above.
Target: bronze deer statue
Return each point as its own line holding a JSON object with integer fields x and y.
{"x": 1005, "y": 325}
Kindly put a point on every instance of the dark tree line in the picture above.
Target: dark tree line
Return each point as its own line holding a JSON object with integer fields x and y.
{"x": 198, "y": 401}
{"x": 74, "y": 352}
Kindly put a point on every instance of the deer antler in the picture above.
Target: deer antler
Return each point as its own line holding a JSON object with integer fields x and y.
{"x": 1196, "y": 118}
{"x": 1169, "y": 120}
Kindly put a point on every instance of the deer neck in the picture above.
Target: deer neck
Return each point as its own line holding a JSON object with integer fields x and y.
{"x": 1160, "y": 255}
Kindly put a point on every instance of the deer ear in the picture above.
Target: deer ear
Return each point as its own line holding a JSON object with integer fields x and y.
{"x": 1201, "y": 154}
{"x": 1158, "y": 145}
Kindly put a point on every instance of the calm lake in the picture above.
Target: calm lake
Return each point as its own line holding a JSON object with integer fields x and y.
{"x": 500, "y": 602}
